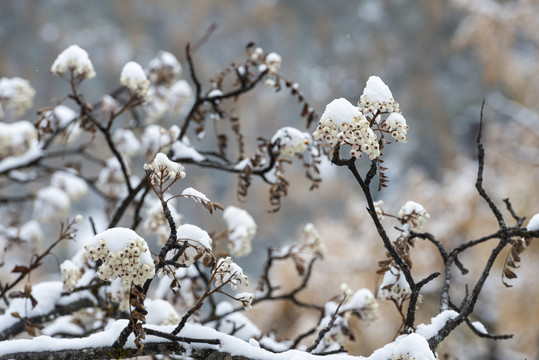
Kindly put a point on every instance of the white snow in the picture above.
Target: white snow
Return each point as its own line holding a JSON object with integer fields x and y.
{"x": 159, "y": 311}
{"x": 360, "y": 299}
{"x": 164, "y": 61}
{"x": 134, "y": 78}
{"x": 17, "y": 138}
{"x": 178, "y": 95}
{"x": 480, "y": 327}
{"x": 273, "y": 60}
{"x": 245, "y": 329}
{"x": 76, "y": 59}
{"x": 242, "y": 228}
{"x": 35, "y": 152}
{"x": 16, "y": 94}
{"x": 32, "y": 233}
{"x": 126, "y": 142}
{"x": 72, "y": 185}
{"x": 47, "y": 295}
{"x": 242, "y": 164}
{"x": 215, "y": 93}
{"x": 412, "y": 346}
{"x": 162, "y": 164}
{"x": 436, "y": 323}
{"x": 63, "y": 325}
{"x": 341, "y": 111}
{"x": 157, "y": 139}
{"x": 51, "y": 204}
{"x": 117, "y": 239}
{"x": 395, "y": 118}
{"x": 394, "y": 285}
{"x": 291, "y": 140}
{"x": 192, "y": 232}
{"x": 184, "y": 150}
{"x": 195, "y": 195}
{"x": 376, "y": 91}
{"x": 533, "y": 225}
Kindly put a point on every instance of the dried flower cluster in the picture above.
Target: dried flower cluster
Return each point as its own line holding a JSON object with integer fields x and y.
{"x": 125, "y": 255}
{"x": 70, "y": 275}
{"x": 290, "y": 141}
{"x": 134, "y": 78}
{"x": 394, "y": 286}
{"x": 343, "y": 123}
{"x": 242, "y": 229}
{"x": 413, "y": 213}
{"x": 163, "y": 169}
{"x": 228, "y": 272}
{"x": 16, "y": 96}
{"x": 16, "y": 138}
{"x": 197, "y": 243}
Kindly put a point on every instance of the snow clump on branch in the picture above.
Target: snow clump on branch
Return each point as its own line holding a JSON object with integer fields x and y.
{"x": 125, "y": 255}
{"x": 76, "y": 60}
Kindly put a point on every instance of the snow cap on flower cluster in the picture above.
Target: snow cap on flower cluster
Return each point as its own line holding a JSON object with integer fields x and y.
{"x": 242, "y": 229}
{"x": 125, "y": 255}
{"x": 126, "y": 142}
{"x": 70, "y": 275}
{"x": 228, "y": 272}
{"x": 274, "y": 61}
{"x": 163, "y": 169}
{"x": 51, "y": 204}
{"x": 291, "y": 141}
{"x": 134, "y": 78}
{"x": 394, "y": 285}
{"x": 313, "y": 240}
{"x": 164, "y": 68}
{"x": 167, "y": 93}
{"x": 16, "y": 138}
{"x": 74, "y": 59}
{"x": 16, "y": 96}
{"x": 378, "y": 99}
{"x": 199, "y": 244}
{"x": 414, "y": 213}
{"x": 71, "y": 184}
{"x": 342, "y": 122}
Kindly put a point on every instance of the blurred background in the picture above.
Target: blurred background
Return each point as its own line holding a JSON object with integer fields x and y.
{"x": 440, "y": 60}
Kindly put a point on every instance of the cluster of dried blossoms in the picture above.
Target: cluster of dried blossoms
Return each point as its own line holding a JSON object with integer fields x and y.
{"x": 343, "y": 123}
{"x": 124, "y": 255}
